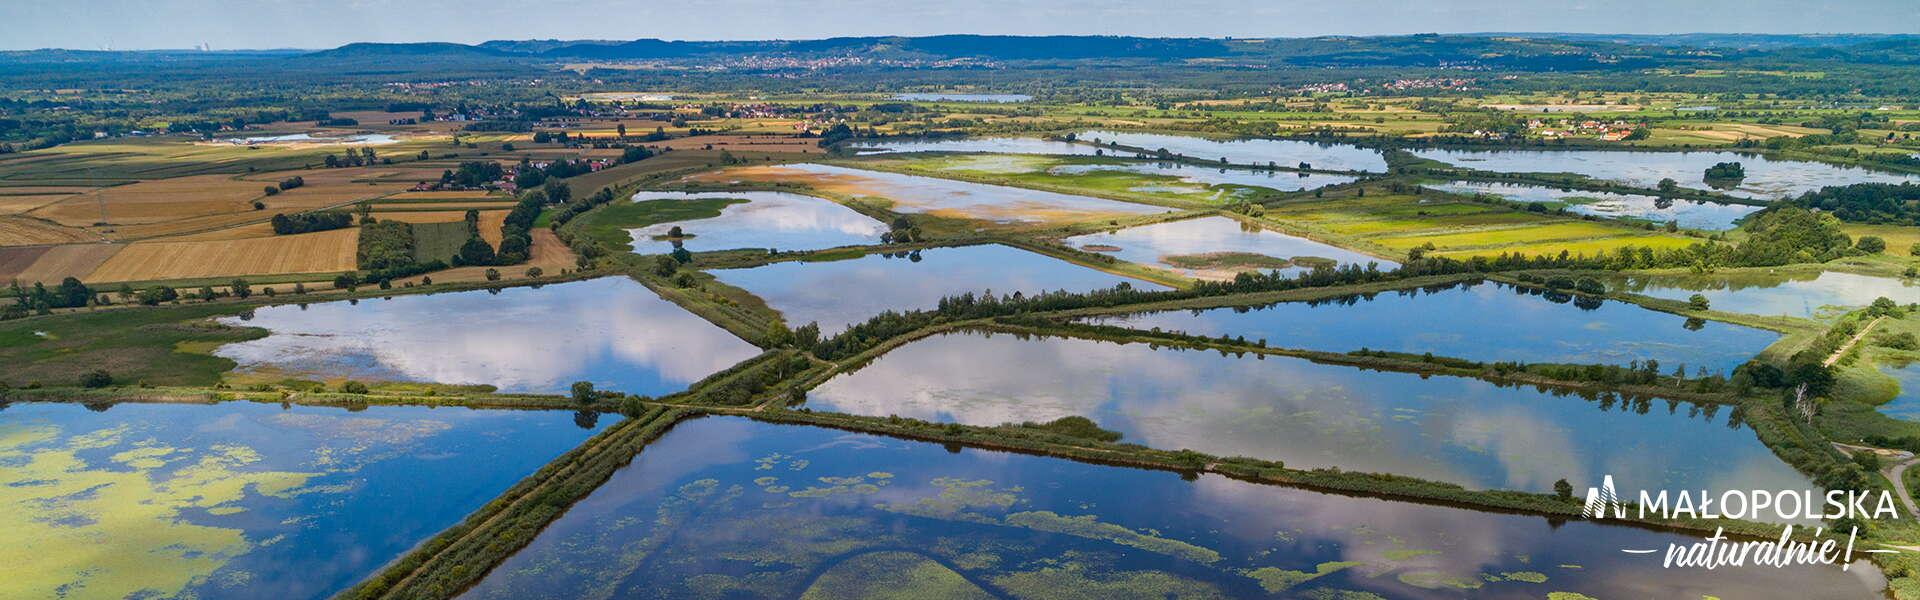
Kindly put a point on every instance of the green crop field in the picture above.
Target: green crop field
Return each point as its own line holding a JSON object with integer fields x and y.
{"x": 438, "y": 241}
{"x": 1392, "y": 224}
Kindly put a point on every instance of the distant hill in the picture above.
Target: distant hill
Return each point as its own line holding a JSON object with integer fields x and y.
{"x": 1748, "y": 41}
{"x": 435, "y": 49}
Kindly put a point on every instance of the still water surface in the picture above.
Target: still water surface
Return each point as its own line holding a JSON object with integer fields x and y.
{"x": 731, "y": 508}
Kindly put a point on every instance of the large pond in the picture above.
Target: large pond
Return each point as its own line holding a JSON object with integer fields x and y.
{"x": 959, "y": 97}
{"x": 1486, "y": 322}
{"x": 613, "y": 332}
{"x": 774, "y": 220}
{"x": 1906, "y": 404}
{"x": 1690, "y": 214}
{"x": 947, "y": 197}
{"x": 1260, "y": 152}
{"x": 305, "y": 138}
{"x": 844, "y": 292}
{"x": 1247, "y": 152}
{"x": 730, "y": 508}
{"x": 1796, "y": 294}
{"x": 982, "y": 145}
{"x": 244, "y": 500}
{"x": 1217, "y": 248}
{"x": 1766, "y": 179}
{"x": 1285, "y": 181}
{"x": 1310, "y": 415}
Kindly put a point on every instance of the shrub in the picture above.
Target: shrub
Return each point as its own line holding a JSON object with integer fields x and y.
{"x": 353, "y": 387}
{"x": 97, "y": 378}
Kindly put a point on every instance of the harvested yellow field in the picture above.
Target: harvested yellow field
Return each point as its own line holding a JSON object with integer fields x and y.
{"x": 236, "y": 232}
{"x": 322, "y": 252}
{"x": 440, "y": 206}
{"x": 71, "y": 260}
{"x": 16, "y": 204}
{"x": 441, "y": 195}
{"x": 156, "y": 201}
{"x": 22, "y": 230}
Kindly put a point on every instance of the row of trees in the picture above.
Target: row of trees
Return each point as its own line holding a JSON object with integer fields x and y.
{"x": 284, "y": 224}
{"x": 356, "y": 157}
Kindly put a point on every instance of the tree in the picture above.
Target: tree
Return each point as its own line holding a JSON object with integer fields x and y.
{"x": 778, "y": 335}
{"x": 535, "y": 272}
{"x": 1668, "y": 185}
{"x": 621, "y": 129}
{"x": 353, "y": 387}
{"x": 583, "y": 392}
{"x": 239, "y": 288}
{"x": 1726, "y": 170}
{"x": 1871, "y": 244}
{"x": 1697, "y": 302}
{"x": 493, "y": 274}
{"x": 476, "y": 251}
{"x": 1563, "y": 490}
{"x": 805, "y": 337}
{"x": 97, "y": 378}
{"x": 664, "y": 266}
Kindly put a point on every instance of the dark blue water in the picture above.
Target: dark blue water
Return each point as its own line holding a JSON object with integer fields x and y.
{"x": 1486, "y": 322}
{"x": 730, "y": 508}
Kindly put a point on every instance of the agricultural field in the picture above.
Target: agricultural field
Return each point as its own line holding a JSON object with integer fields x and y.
{"x": 323, "y": 252}
{"x": 1391, "y": 224}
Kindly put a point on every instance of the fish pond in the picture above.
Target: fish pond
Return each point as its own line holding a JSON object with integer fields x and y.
{"x": 773, "y": 220}
{"x": 1906, "y": 404}
{"x": 1766, "y": 179}
{"x": 840, "y": 293}
{"x": 612, "y": 331}
{"x": 725, "y": 507}
{"x": 245, "y": 500}
{"x": 1243, "y": 152}
{"x": 1794, "y": 294}
{"x": 961, "y": 199}
{"x": 992, "y": 145}
{"x": 1257, "y": 152}
{"x": 1310, "y": 415}
{"x": 960, "y": 97}
{"x": 1484, "y": 322}
{"x": 1218, "y": 247}
{"x": 1691, "y": 214}
{"x": 1173, "y": 180}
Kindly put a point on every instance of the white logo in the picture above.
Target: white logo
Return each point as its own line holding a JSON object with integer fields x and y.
{"x": 1717, "y": 550}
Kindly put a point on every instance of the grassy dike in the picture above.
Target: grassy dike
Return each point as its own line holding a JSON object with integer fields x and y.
{"x": 451, "y": 562}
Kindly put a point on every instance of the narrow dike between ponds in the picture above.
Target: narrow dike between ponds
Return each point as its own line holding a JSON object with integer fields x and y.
{"x": 456, "y": 559}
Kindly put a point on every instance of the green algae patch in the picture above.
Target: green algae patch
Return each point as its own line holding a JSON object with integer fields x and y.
{"x": 1569, "y": 596}
{"x": 1525, "y": 576}
{"x": 1091, "y": 527}
{"x": 116, "y": 529}
{"x": 892, "y": 576}
{"x": 1276, "y": 580}
{"x": 1073, "y": 581}
{"x": 1434, "y": 580}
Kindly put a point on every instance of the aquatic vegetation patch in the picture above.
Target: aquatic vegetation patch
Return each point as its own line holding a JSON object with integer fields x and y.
{"x": 892, "y": 576}
{"x": 63, "y": 507}
{"x": 1276, "y": 580}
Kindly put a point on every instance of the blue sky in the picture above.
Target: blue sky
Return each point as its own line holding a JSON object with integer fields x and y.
{"x": 230, "y": 24}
